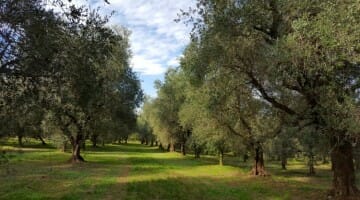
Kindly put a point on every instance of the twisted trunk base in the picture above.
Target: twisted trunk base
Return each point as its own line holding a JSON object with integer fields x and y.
{"x": 259, "y": 164}
{"x": 75, "y": 154}
{"x": 344, "y": 186}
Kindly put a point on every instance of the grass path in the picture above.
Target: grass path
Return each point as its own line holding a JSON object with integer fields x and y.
{"x": 118, "y": 190}
{"x": 134, "y": 171}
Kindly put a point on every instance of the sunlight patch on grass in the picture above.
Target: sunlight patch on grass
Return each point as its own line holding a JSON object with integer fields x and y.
{"x": 134, "y": 171}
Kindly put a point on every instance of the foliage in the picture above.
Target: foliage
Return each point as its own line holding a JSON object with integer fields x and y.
{"x": 68, "y": 67}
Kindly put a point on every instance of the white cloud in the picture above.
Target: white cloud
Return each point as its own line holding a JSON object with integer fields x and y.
{"x": 173, "y": 62}
{"x": 147, "y": 66}
{"x": 156, "y": 40}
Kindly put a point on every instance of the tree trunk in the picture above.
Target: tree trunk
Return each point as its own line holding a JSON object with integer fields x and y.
{"x": 221, "y": 157}
{"x": 283, "y": 162}
{"x": 259, "y": 164}
{"x": 168, "y": 148}
{"x": 172, "y": 147}
{"x": 94, "y": 140}
{"x": 156, "y": 143}
{"x": 245, "y": 157}
{"x": 311, "y": 166}
{"x": 20, "y": 137}
{"x": 343, "y": 168}
{"x": 152, "y": 143}
{"x": 183, "y": 149}
{"x": 161, "y": 146}
{"x": 63, "y": 148}
{"x": 76, "y": 157}
{"x": 42, "y": 140}
{"x": 197, "y": 154}
{"x": 76, "y": 146}
{"x": 311, "y": 161}
{"x": 126, "y": 140}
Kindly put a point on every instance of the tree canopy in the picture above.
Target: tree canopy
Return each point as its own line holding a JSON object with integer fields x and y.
{"x": 263, "y": 71}
{"x": 68, "y": 68}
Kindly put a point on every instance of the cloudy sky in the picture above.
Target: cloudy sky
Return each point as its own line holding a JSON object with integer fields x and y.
{"x": 156, "y": 40}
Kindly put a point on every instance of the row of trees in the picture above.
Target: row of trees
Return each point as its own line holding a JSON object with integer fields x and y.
{"x": 64, "y": 74}
{"x": 263, "y": 76}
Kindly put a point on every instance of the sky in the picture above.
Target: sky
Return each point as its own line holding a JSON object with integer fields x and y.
{"x": 157, "y": 41}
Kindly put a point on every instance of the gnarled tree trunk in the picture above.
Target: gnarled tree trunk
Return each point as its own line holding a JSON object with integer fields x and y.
{"x": 76, "y": 146}
{"x": 343, "y": 168}
{"x": 259, "y": 164}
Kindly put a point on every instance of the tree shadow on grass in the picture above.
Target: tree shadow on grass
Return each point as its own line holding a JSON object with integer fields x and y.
{"x": 125, "y": 148}
{"x": 96, "y": 181}
{"x": 184, "y": 188}
{"x": 180, "y": 162}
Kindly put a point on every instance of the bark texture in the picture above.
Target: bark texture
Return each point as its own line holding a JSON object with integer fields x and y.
{"x": 259, "y": 164}
{"x": 76, "y": 143}
{"x": 344, "y": 185}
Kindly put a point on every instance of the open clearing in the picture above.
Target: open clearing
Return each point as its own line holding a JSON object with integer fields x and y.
{"x": 135, "y": 171}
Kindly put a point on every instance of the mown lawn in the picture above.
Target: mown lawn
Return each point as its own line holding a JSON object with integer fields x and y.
{"x": 134, "y": 171}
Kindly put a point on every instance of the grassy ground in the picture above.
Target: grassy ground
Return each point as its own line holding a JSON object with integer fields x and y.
{"x": 135, "y": 171}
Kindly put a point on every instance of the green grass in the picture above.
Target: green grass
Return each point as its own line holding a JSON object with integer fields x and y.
{"x": 134, "y": 171}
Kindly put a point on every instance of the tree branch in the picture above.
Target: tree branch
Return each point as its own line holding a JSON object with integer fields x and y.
{"x": 267, "y": 97}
